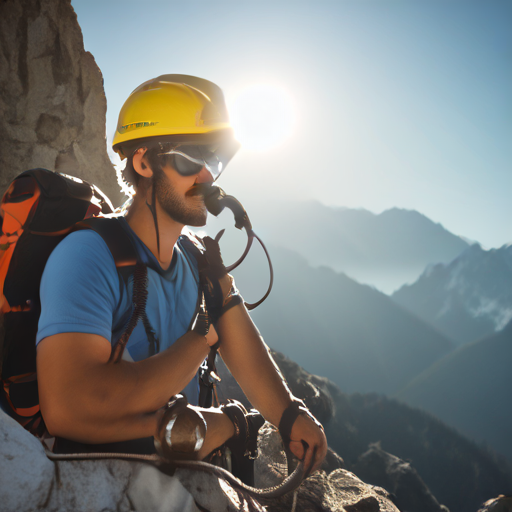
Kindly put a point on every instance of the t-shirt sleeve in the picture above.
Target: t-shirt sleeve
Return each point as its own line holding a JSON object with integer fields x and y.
{"x": 79, "y": 287}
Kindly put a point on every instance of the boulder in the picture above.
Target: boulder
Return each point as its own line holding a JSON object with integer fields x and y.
{"x": 397, "y": 476}
{"x": 29, "y": 481}
{"x": 500, "y": 504}
{"x": 332, "y": 489}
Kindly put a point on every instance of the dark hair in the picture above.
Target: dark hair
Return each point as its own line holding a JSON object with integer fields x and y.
{"x": 156, "y": 162}
{"x": 129, "y": 176}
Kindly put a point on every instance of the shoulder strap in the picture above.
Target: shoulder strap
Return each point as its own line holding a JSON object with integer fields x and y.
{"x": 116, "y": 238}
{"x": 125, "y": 256}
{"x": 208, "y": 370}
{"x": 193, "y": 245}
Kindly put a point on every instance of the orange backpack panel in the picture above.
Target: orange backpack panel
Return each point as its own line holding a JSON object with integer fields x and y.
{"x": 37, "y": 211}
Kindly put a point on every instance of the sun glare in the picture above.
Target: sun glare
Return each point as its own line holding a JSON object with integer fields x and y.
{"x": 263, "y": 116}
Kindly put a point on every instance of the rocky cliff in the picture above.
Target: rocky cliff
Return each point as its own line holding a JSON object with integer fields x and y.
{"x": 52, "y": 101}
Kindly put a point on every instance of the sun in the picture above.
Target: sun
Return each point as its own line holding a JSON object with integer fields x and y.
{"x": 263, "y": 116}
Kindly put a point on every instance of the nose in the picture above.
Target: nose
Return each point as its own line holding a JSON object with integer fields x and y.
{"x": 204, "y": 176}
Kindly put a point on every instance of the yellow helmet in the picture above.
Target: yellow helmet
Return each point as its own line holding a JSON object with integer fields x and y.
{"x": 179, "y": 108}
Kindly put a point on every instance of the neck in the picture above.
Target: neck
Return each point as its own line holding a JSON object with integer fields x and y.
{"x": 140, "y": 219}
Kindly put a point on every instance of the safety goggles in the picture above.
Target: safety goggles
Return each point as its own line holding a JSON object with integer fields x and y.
{"x": 189, "y": 159}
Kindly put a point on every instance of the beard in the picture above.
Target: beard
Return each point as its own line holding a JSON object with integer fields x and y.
{"x": 177, "y": 207}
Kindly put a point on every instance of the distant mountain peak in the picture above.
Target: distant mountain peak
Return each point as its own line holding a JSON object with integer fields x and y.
{"x": 384, "y": 250}
{"x": 467, "y": 298}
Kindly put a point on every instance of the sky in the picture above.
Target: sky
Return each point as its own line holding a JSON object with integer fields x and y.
{"x": 368, "y": 104}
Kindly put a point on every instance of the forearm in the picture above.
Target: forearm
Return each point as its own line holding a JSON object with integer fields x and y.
{"x": 247, "y": 357}
{"x": 84, "y": 397}
{"x": 154, "y": 380}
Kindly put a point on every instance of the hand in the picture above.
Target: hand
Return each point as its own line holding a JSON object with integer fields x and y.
{"x": 219, "y": 288}
{"x": 212, "y": 337}
{"x": 216, "y": 269}
{"x": 306, "y": 429}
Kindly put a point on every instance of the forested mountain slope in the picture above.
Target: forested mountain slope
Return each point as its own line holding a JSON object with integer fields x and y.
{"x": 471, "y": 390}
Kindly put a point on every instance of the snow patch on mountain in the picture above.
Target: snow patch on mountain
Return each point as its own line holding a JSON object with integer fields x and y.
{"x": 499, "y": 313}
{"x": 466, "y": 299}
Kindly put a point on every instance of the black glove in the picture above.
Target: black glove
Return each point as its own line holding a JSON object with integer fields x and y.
{"x": 220, "y": 291}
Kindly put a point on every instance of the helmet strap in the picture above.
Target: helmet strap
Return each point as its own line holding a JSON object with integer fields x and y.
{"x": 152, "y": 209}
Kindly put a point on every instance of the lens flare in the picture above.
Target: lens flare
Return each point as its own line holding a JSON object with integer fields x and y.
{"x": 263, "y": 116}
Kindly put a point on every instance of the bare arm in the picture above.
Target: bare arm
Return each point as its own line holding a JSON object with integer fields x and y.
{"x": 86, "y": 399}
{"x": 247, "y": 357}
{"x": 249, "y": 360}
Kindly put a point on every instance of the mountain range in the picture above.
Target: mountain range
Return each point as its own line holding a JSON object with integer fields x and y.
{"x": 466, "y": 299}
{"x": 366, "y": 341}
{"x": 333, "y": 326}
{"x": 385, "y": 250}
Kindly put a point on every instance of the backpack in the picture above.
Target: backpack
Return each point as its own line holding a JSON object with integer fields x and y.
{"x": 38, "y": 210}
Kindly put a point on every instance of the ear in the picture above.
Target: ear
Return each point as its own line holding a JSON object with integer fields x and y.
{"x": 140, "y": 163}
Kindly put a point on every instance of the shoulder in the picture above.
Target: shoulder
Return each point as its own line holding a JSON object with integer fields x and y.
{"x": 80, "y": 287}
{"x": 84, "y": 245}
{"x": 81, "y": 256}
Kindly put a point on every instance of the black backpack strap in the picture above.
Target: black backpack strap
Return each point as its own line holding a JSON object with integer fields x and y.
{"x": 116, "y": 238}
{"x": 193, "y": 245}
{"x": 208, "y": 370}
{"x": 125, "y": 256}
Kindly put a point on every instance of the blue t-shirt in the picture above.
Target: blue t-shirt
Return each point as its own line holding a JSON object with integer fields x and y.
{"x": 82, "y": 291}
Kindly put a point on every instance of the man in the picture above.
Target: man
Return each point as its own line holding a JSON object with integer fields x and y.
{"x": 176, "y": 136}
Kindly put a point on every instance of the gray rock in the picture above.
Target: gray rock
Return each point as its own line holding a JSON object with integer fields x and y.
{"x": 84, "y": 486}
{"x": 52, "y": 101}
{"x": 397, "y": 476}
{"x": 327, "y": 491}
{"x": 24, "y": 469}
{"x": 500, "y": 504}
{"x": 29, "y": 481}
{"x": 215, "y": 494}
{"x": 339, "y": 491}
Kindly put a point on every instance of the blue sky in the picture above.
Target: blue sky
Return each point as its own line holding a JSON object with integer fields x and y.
{"x": 397, "y": 103}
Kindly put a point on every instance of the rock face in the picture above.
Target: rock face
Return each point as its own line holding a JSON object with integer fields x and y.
{"x": 52, "y": 101}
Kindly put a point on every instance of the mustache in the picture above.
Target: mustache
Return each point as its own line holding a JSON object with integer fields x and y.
{"x": 201, "y": 189}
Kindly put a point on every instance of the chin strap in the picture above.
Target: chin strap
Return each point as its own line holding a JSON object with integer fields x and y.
{"x": 152, "y": 209}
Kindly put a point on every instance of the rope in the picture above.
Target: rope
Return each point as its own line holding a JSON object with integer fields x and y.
{"x": 294, "y": 503}
{"x": 289, "y": 484}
